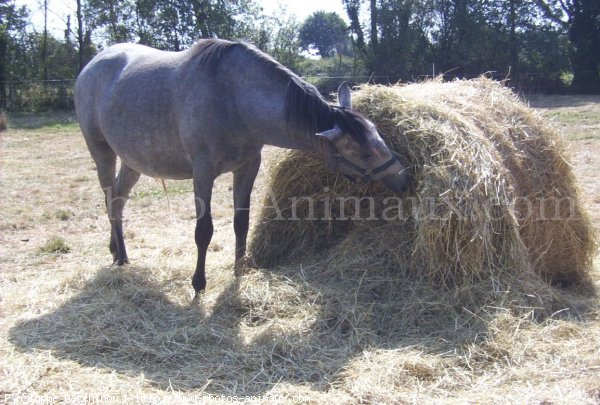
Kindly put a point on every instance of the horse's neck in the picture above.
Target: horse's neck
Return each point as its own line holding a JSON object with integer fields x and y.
{"x": 293, "y": 135}
{"x": 299, "y": 140}
{"x": 273, "y": 124}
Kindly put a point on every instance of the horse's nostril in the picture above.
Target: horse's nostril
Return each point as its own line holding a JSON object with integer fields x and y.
{"x": 396, "y": 182}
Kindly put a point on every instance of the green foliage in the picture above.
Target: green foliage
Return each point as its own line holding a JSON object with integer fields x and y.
{"x": 566, "y": 78}
{"x": 523, "y": 40}
{"x": 328, "y": 73}
{"x": 278, "y": 36}
{"x": 63, "y": 214}
{"x": 581, "y": 20}
{"x": 36, "y": 96}
{"x": 540, "y": 45}
{"x": 402, "y": 48}
{"x": 172, "y": 25}
{"x": 55, "y": 245}
{"x": 12, "y": 29}
{"x": 325, "y": 32}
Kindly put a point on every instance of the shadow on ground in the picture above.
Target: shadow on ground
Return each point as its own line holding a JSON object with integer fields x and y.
{"x": 246, "y": 341}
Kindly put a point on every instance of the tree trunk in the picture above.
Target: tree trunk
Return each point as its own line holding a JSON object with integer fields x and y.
{"x": 352, "y": 8}
{"x": 513, "y": 45}
{"x": 584, "y": 34}
{"x": 374, "y": 24}
{"x": 80, "y": 38}
{"x": 3, "y": 51}
{"x": 45, "y": 43}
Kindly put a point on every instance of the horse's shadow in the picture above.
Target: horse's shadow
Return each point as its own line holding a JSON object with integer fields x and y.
{"x": 121, "y": 320}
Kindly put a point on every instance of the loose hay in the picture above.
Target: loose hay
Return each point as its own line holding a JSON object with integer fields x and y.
{"x": 493, "y": 203}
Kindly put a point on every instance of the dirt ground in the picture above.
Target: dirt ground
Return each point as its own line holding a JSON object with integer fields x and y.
{"x": 75, "y": 329}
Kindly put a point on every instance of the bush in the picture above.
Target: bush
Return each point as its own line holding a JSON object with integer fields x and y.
{"x": 40, "y": 96}
{"x": 55, "y": 245}
{"x": 328, "y": 73}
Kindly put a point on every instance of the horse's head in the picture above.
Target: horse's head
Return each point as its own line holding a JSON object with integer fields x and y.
{"x": 356, "y": 149}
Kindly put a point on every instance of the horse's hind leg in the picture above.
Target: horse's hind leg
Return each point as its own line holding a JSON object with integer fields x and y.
{"x": 116, "y": 190}
{"x": 106, "y": 164}
{"x": 115, "y": 204}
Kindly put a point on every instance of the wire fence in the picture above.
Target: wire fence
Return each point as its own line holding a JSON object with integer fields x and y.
{"x": 48, "y": 95}
{"x": 37, "y": 95}
{"x": 522, "y": 83}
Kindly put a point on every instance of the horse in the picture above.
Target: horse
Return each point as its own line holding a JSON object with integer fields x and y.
{"x": 209, "y": 110}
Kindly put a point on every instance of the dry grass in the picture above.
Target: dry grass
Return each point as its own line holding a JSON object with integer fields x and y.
{"x": 74, "y": 327}
{"x": 575, "y": 116}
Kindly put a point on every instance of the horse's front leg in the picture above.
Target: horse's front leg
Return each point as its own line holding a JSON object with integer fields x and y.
{"x": 243, "y": 180}
{"x": 203, "y": 183}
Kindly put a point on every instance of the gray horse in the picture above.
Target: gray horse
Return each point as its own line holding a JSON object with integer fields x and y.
{"x": 206, "y": 111}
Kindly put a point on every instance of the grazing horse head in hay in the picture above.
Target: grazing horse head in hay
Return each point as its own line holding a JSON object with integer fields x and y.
{"x": 206, "y": 111}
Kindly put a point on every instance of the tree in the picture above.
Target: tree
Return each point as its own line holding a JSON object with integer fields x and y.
{"x": 85, "y": 49}
{"x": 326, "y": 32}
{"x": 170, "y": 25}
{"x": 285, "y": 44}
{"x": 467, "y": 40}
{"x": 353, "y": 11}
{"x": 400, "y": 47}
{"x": 581, "y": 19}
{"x": 584, "y": 34}
{"x": 12, "y": 41}
{"x": 275, "y": 34}
{"x": 114, "y": 17}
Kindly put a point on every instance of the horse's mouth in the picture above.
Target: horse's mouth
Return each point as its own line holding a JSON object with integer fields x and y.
{"x": 398, "y": 183}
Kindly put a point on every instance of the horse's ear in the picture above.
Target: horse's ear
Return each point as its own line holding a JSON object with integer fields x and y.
{"x": 344, "y": 95}
{"x": 331, "y": 134}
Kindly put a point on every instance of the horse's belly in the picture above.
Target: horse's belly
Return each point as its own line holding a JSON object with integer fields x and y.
{"x": 164, "y": 171}
{"x": 167, "y": 162}
{"x": 145, "y": 139}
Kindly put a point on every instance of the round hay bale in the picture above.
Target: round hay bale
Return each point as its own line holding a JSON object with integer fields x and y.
{"x": 493, "y": 195}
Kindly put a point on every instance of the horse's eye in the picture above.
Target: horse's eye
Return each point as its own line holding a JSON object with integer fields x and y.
{"x": 366, "y": 156}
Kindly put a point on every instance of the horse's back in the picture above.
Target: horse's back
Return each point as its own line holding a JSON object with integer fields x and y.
{"x": 123, "y": 98}
{"x": 97, "y": 80}
{"x": 104, "y": 71}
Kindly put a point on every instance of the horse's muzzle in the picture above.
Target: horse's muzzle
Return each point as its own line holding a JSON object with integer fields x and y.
{"x": 397, "y": 183}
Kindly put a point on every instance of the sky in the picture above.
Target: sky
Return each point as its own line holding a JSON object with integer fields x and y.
{"x": 304, "y": 8}
{"x": 59, "y": 9}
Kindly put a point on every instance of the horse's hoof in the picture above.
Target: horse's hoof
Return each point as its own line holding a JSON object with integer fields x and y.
{"x": 242, "y": 265}
{"x": 198, "y": 297}
{"x": 121, "y": 262}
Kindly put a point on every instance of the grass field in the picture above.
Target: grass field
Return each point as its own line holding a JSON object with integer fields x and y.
{"x": 75, "y": 329}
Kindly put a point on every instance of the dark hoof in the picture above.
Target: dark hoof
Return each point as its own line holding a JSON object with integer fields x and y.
{"x": 198, "y": 297}
{"x": 199, "y": 284}
{"x": 120, "y": 262}
{"x": 243, "y": 264}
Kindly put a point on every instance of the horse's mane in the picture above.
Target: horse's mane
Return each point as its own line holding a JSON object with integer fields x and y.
{"x": 307, "y": 109}
{"x": 304, "y": 106}
{"x": 209, "y": 52}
